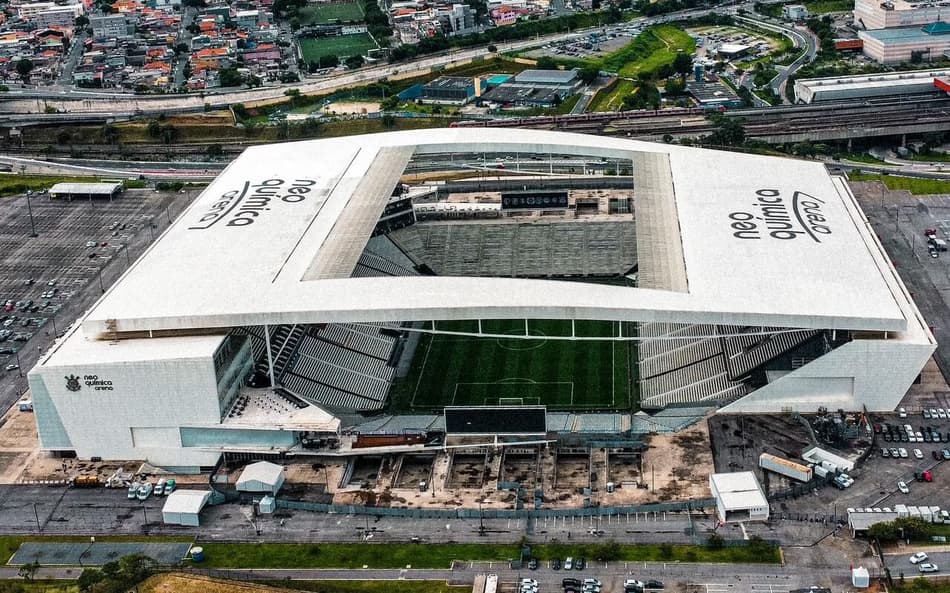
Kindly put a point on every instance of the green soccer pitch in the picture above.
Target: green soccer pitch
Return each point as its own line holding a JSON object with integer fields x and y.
{"x": 560, "y": 374}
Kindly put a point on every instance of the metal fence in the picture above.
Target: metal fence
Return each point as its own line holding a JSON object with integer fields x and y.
{"x": 669, "y": 507}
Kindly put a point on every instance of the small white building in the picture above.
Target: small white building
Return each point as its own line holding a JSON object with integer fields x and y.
{"x": 860, "y": 577}
{"x": 183, "y": 506}
{"x": 739, "y": 497}
{"x": 262, "y": 476}
{"x": 795, "y": 12}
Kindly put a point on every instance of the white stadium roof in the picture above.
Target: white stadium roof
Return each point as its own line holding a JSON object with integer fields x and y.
{"x": 737, "y": 239}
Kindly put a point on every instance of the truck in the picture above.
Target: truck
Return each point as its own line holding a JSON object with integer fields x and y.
{"x": 491, "y": 583}
{"x": 86, "y": 481}
{"x": 785, "y": 467}
{"x": 821, "y": 472}
{"x": 940, "y": 244}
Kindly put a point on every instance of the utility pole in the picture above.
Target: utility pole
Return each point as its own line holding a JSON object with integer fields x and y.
{"x": 29, "y": 208}
{"x": 39, "y": 527}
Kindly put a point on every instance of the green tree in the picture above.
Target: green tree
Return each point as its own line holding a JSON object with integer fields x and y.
{"x": 181, "y": 48}
{"x": 23, "y": 68}
{"x": 682, "y": 64}
{"x": 153, "y": 129}
{"x": 588, "y": 74}
{"x": 110, "y": 134}
{"x": 214, "y": 150}
{"x": 492, "y": 48}
{"x": 81, "y": 22}
{"x": 229, "y": 77}
{"x": 729, "y": 131}
{"x": 546, "y": 63}
{"x": 389, "y": 120}
{"x": 675, "y": 86}
{"x": 240, "y": 111}
{"x": 28, "y": 570}
{"x": 715, "y": 542}
{"x": 389, "y": 103}
{"x": 354, "y": 61}
{"x": 328, "y": 61}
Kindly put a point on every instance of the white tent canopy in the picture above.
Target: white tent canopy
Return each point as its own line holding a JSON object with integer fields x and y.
{"x": 262, "y": 476}
{"x": 183, "y": 506}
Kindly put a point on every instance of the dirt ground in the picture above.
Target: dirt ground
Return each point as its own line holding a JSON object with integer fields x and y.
{"x": 180, "y": 583}
{"x": 522, "y": 469}
{"x": 352, "y": 107}
{"x": 676, "y": 466}
{"x": 467, "y": 472}
{"x": 624, "y": 468}
{"x": 414, "y": 469}
{"x": 573, "y": 472}
{"x": 739, "y": 440}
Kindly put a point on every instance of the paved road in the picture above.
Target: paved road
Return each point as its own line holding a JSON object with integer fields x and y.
{"x": 739, "y": 578}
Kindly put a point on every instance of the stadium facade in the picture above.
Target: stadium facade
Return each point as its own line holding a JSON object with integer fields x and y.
{"x": 760, "y": 288}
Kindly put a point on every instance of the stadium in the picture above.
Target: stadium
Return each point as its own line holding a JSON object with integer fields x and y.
{"x": 458, "y": 285}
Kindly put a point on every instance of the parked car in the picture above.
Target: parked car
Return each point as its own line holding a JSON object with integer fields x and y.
{"x": 532, "y": 564}
{"x": 633, "y": 585}
{"x": 902, "y": 486}
{"x": 580, "y": 563}
{"x": 569, "y": 563}
{"x": 145, "y": 490}
{"x": 569, "y": 582}
{"x": 918, "y": 454}
{"x": 556, "y": 564}
{"x": 918, "y": 558}
{"x": 927, "y": 567}
{"x": 654, "y": 584}
{"x": 592, "y": 582}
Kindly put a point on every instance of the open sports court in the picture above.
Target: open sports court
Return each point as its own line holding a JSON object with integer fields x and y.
{"x": 325, "y": 13}
{"x": 342, "y": 46}
{"x": 561, "y": 374}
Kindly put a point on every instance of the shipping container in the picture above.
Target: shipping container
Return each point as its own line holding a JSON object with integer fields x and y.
{"x": 785, "y": 467}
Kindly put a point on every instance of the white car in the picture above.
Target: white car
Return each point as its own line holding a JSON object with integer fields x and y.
{"x": 902, "y": 486}
{"x": 569, "y": 563}
{"x": 918, "y": 454}
{"x": 903, "y": 452}
{"x": 927, "y": 567}
{"x": 592, "y": 582}
{"x": 527, "y": 581}
{"x": 918, "y": 557}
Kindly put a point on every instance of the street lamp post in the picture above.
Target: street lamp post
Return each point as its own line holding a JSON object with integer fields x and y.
{"x": 29, "y": 208}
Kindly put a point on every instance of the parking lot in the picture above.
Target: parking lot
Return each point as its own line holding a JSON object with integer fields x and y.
{"x": 80, "y": 248}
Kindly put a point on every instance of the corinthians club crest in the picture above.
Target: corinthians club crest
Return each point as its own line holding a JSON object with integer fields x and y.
{"x": 72, "y": 383}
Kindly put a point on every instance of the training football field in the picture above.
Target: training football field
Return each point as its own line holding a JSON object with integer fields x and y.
{"x": 561, "y": 374}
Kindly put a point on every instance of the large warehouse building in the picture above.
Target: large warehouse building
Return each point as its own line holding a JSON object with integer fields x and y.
{"x": 282, "y": 304}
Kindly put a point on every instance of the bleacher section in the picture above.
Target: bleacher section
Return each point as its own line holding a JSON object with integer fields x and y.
{"x": 747, "y": 352}
{"x": 689, "y": 368}
{"x": 706, "y": 362}
{"x": 536, "y": 249}
{"x": 342, "y": 366}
